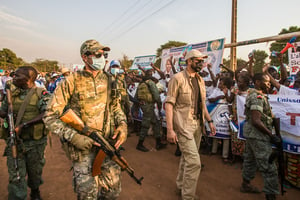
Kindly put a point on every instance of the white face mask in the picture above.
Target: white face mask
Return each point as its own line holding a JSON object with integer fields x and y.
{"x": 98, "y": 63}
{"x": 115, "y": 71}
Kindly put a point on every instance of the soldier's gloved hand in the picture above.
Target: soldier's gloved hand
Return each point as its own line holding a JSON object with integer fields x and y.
{"x": 275, "y": 140}
{"x": 82, "y": 142}
{"x": 121, "y": 134}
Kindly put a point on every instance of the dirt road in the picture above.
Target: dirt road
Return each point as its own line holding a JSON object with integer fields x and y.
{"x": 159, "y": 168}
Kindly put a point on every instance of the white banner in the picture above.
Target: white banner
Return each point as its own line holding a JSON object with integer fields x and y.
{"x": 143, "y": 61}
{"x": 287, "y": 108}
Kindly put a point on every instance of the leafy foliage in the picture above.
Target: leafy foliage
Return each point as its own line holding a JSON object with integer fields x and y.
{"x": 126, "y": 62}
{"x": 259, "y": 60}
{"x": 9, "y": 60}
{"x": 240, "y": 62}
{"x": 167, "y": 45}
{"x": 43, "y": 65}
{"x": 280, "y": 44}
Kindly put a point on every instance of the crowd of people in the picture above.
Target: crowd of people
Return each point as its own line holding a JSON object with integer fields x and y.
{"x": 99, "y": 95}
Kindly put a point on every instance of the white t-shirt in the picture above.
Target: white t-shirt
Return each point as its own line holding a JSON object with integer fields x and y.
{"x": 283, "y": 90}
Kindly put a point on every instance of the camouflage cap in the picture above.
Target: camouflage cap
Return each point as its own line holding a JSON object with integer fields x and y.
{"x": 92, "y": 46}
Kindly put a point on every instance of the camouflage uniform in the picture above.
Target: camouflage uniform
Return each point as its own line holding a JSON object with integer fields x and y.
{"x": 90, "y": 98}
{"x": 31, "y": 143}
{"x": 148, "y": 112}
{"x": 122, "y": 94}
{"x": 258, "y": 146}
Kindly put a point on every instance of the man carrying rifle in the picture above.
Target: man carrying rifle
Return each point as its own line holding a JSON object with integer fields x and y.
{"x": 259, "y": 139}
{"x": 88, "y": 94}
{"x": 23, "y": 107}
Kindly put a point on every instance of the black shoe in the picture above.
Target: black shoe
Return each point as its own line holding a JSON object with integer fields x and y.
{"x": 270, "y": 197}
{"x": 160, "y": 145}
{"x": 248, "y": 188}
{"x": 35, "y": 194}
{"x": 141, "y": 147}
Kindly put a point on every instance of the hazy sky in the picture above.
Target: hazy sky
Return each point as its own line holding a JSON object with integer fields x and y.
{"x": 55, "y": 29}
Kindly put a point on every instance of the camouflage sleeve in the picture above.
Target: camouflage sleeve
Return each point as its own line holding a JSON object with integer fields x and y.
{"x": 154, "y": 91}
{"x": 119, "y": 115}
{"x": 255, "y": 102}
{"x": 55, "y": 108}
{"x": 42, "y": 104}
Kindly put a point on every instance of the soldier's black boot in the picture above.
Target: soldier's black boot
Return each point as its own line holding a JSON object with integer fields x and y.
{"x": 141, "y": 147}
{"x": 35, "y": 194}
{"x": 159, "y": 144}
{"x": 270, "y": 197}
{"x": 246, "y": 187}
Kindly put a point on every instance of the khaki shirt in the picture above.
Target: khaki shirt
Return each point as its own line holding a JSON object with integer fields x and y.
{"x": 181, "y": 96}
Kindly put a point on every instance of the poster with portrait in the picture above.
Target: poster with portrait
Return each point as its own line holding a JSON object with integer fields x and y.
{"x": 214, "y": 49}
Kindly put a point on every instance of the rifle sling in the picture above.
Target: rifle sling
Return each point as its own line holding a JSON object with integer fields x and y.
{"x": 24, "y": 105}
{"x": 108, "y": 100}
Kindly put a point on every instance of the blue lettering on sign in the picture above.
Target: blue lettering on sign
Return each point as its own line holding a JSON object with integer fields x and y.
{"x": 288, "y": 100}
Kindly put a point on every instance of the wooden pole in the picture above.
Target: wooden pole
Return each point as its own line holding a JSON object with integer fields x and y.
{"x": 233, "y": 61}
{"x": 266, "y": 39}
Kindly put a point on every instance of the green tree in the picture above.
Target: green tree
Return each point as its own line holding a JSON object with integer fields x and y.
{"x": 167, "y": 45}
{"x": 280, "y": 44}
{"x": 44, "y": 65}
{"x": 259, "y": 60}
{"x": 240, "y": 62}
{"x": 9, "y": 59}
{"x": 126, "y": 62}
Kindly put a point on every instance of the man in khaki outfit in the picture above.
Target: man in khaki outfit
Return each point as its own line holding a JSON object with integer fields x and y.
{"x": 185, "y": 114}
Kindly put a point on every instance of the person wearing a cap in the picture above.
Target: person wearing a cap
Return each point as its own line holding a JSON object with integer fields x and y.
{"x": 186, "y": 113}
{"x": 88, "y": 94}
{"x": 64, "y": 73}
{"x": 52, "y": 85}
{"x": 121, "y": 90}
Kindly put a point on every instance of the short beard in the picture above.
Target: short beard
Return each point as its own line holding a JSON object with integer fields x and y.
{"x": 196, "y": 69}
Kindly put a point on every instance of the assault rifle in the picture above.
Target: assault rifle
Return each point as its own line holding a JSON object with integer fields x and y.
{"x": 278, "y": 153}
{"x": 70, "y": 118}
{"x": 12, "y": 133}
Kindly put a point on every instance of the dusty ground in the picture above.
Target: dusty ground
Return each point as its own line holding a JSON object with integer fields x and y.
{"x": 159, "y": 168}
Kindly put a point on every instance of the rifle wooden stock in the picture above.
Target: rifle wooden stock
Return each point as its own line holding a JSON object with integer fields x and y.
{"x": 70, "y": 118}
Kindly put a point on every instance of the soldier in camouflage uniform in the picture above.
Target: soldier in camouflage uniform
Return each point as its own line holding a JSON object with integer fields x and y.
{"x": 258, "y": 133}
{"x": 148, "y": 98}
{"x": 88, "y": 93}
{"x": 31, "y": 141}
{"x": 121, "y": 87}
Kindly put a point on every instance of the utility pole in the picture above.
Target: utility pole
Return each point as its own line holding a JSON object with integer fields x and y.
{"x": 233, "y": 62}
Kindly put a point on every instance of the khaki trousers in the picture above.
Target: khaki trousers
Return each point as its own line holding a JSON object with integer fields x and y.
{"x": 190, "y": 164}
